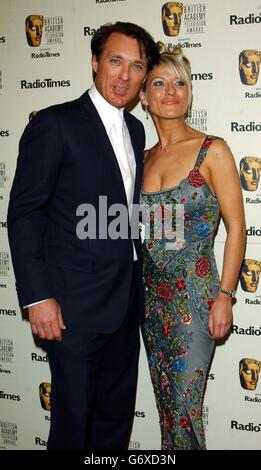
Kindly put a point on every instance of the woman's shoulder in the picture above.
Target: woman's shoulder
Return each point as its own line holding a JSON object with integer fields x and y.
{"x": 219, "y": 151}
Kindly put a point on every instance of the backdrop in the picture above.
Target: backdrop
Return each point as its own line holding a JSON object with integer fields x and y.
{"x": 51, "y": 65}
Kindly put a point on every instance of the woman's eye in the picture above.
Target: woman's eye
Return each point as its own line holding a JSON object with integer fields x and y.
{"x": 158, "y": 83}
{"x": 180, "y": 83}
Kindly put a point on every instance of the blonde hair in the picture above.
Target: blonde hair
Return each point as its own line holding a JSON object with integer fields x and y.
{"x": 173, "y": 58}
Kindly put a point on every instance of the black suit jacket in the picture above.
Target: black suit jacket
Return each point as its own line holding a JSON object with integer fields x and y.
{"x": 66, "y": 159}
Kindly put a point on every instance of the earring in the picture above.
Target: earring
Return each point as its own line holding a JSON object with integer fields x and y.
{"x": 147, "y": 112}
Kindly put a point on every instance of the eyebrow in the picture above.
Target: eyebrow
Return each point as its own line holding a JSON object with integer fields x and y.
{"x": 139, "y": 61}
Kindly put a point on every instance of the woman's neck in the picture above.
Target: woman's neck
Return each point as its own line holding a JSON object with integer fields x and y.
{"x": 171, "y": 131}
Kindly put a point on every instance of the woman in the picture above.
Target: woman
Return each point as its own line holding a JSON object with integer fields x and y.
{"x": 187, "y": 306}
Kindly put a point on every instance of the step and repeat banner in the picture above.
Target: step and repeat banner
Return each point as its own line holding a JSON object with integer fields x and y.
{"x": 45, "y": 59}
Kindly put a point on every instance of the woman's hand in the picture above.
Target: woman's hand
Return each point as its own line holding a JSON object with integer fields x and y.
{"x": 220, "y": 317}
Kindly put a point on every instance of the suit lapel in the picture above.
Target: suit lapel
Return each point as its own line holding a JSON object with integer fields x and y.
{"x": 138, "y": 158}
{"x": 102, "y": 141}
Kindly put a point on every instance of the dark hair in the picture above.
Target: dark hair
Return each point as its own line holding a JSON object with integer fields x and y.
{"x": 145, "y": 40}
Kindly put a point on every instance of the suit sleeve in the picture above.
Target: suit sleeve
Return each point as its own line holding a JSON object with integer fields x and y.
{"x": 38, "y": 167}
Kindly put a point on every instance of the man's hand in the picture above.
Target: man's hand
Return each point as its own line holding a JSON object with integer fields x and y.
{"x": 46, "y": 320}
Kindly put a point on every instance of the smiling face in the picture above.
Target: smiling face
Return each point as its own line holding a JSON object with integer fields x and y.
{"x": 167, "y": 94}
{"x": 119, "y": 70}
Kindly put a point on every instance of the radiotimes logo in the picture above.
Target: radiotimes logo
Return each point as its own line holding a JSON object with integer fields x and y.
{"x": 7, "y": 312}
{"x": 39, "y": 358}
{"x": 9, "y": 396}
{"x": 252, "y": 427}
{"x": 4, "y": 133}
{"x": 251, "y": 18}
{"x": 89, "y": 31}
{"x": 251, "y": 126}
{"x": 249, "y": 331}
{"x": 109, "y": 1}
{"x": 45, "y": 83}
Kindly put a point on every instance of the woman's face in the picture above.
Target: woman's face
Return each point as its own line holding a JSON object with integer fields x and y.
{"x": 166, "y": 95}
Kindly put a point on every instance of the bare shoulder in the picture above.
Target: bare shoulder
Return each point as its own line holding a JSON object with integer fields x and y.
{"x": 219, "y": 153}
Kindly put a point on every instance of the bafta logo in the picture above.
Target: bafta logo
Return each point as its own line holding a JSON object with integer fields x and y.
{"x": 171, "y": 18}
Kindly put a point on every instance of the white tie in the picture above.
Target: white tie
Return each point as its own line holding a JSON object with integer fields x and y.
{"x": 118, "y": 138}
{"x": 122, "y": 147}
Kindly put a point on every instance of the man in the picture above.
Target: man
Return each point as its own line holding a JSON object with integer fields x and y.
{"x": 71, "y": 157}
{"x": 249, "y": 276}
{"x": 249, "y": 370}
{"x": 171, "y": 18}
{"x": 249, "y": 63}
{"x": 250, "y": 168}
{"x": 34, "y": 30}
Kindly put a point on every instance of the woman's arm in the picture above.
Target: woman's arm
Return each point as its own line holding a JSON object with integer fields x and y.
{"x": 226, "y": 185}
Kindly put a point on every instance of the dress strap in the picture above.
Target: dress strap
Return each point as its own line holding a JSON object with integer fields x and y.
{"x": 204, "y": 149}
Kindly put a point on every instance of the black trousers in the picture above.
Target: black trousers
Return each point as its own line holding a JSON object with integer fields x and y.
{"x": 94, "y": 381}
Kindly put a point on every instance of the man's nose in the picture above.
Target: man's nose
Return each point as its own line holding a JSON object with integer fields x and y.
{"x": 124, "y": 72}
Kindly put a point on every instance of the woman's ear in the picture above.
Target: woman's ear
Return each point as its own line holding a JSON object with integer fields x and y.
{"x": 143, "y": 98}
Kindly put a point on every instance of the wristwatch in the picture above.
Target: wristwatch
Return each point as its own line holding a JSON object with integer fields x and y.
{"x": 229, "y": 293}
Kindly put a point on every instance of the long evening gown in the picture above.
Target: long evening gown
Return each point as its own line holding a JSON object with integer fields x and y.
{"x": 180, "y": 288}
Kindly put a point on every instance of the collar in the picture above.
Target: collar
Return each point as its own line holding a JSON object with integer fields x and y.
{"x": 106, "y": 111}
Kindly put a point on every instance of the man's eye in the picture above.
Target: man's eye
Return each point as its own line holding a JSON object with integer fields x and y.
{"x": 138, "y": 66}
{"x": 115, "y": 61}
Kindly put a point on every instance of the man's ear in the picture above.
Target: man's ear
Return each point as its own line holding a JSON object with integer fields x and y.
{"x": 95, "y": 63}
{"x": 143, "y": 98}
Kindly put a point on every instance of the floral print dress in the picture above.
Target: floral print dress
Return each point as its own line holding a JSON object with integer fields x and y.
{"x": 181, "y": 285}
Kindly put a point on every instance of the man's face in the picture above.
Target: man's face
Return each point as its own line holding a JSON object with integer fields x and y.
{"x": 249, "y": 371}
{"x": 250, "y": 273}
{"x": 119, "y": 70}
{"x": 34, "y": 29}
{"x": 250, "y": 173}
{"x": 171, "y": 18}
{"x": 45, "y": 395}
{"x": 249, "y": 62}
